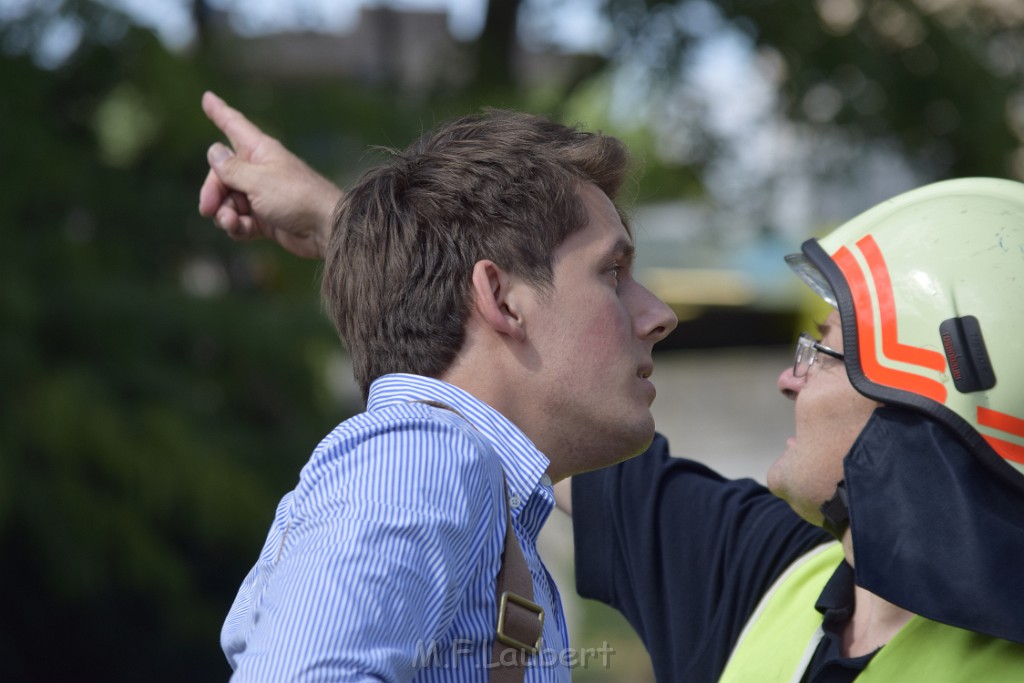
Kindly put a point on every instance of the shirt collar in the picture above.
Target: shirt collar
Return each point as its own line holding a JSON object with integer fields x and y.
{"x": 529, "y": 489}
{"x": 836, "y": 599}
{"x": 836, "y": 604}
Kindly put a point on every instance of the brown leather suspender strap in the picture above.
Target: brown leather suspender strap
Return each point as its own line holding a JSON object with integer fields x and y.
{"x": 520, "y": 619}
{"x": 520, "y": 622}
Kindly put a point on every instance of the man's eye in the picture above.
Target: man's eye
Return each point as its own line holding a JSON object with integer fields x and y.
{"x": 614, "y": 270}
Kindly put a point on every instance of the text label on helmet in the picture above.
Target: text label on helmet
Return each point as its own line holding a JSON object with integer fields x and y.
{"x": 966, "y": 355}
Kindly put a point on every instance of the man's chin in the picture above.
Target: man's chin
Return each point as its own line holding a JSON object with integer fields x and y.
{"x": 638, "y": 445}
{"x": 808, "y": 512}
{"x": 629, "y": 448}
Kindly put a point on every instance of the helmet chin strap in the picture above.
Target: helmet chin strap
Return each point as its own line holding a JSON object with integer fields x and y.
{"x": 836, "y": 511}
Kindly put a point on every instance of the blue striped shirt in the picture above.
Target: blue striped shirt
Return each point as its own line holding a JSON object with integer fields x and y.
{"x": 381, "y": 563}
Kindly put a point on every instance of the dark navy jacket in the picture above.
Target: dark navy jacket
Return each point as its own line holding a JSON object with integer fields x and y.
{"x": 683, "y": 553}
{"x": 686, "y": 554}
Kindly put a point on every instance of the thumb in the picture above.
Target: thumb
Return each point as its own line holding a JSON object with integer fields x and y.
{"x": 217, "y": 155}
{"x": 231, "y": 170}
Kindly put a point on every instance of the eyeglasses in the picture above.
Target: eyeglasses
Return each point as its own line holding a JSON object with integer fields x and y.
{"x": 807, "y": 349}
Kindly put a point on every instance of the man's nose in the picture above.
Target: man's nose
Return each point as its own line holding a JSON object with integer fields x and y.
{"x": 659, "y": 319}
{"x": 789, "y": 384}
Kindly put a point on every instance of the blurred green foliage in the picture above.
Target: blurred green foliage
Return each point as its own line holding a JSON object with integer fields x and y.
{"x": 161, "y": 386}
{"x": 942, "y": 80}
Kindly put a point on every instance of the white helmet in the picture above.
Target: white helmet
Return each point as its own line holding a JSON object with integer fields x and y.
{"x": 930, "y": 289}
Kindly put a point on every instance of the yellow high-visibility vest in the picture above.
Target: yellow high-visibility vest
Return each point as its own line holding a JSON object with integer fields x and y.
{"x": 779, "y": 640}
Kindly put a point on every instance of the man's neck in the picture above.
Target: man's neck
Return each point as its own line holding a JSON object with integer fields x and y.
{"x": 874, "y": 621}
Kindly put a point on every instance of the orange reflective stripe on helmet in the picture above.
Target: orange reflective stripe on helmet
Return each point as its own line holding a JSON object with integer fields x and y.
{"x": 891, "y": 346}
{"x": 1005, "y": 449}
{"x": 993, "y": 419}
{"x": 870, "y": 364}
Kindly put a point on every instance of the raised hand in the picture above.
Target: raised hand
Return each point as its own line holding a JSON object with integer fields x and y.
{"x": 258, "y": 189}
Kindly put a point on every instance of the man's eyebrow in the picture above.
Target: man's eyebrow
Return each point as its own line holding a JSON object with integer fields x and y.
{"x": 622, "y": 249}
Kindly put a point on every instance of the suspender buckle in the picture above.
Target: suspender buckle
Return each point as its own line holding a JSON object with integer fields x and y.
{"x": 521, "y": 621}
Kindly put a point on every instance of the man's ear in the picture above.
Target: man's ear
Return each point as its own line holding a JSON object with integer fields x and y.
{"x": 491, "y": 289}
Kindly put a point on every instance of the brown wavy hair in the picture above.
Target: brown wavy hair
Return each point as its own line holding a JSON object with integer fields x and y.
{"x": 499, "y": 185}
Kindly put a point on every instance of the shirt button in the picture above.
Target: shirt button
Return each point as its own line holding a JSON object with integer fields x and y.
{"x": 514, "y": 501}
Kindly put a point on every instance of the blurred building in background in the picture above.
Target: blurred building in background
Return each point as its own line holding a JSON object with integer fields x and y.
{"x": 409, "y": 49}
